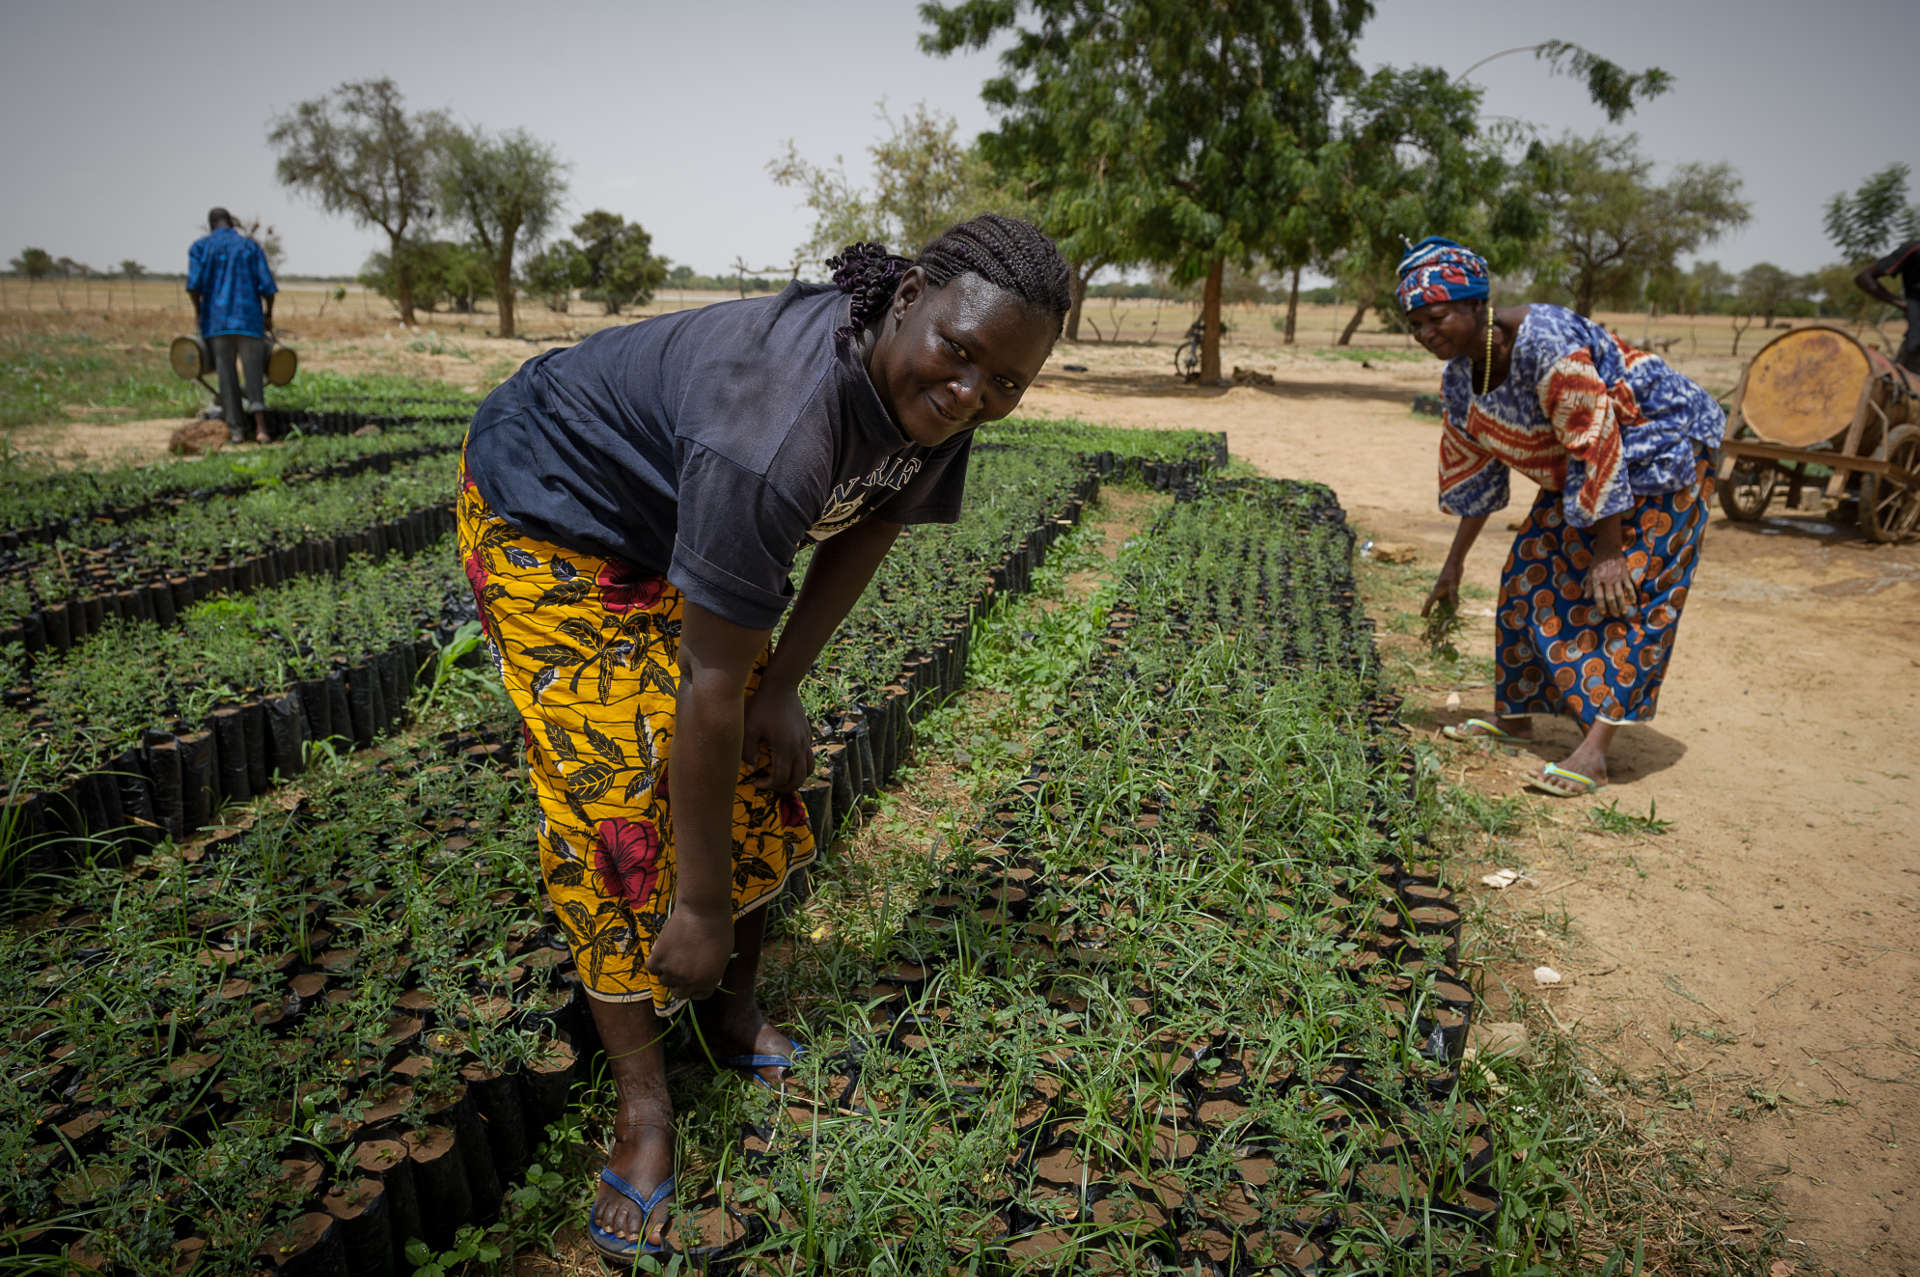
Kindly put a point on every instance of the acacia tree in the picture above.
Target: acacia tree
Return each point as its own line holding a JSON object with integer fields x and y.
{"x": 501, "y": 188}
{"x": 1184, "y": 128}
{"x": 1764, "y": 288}
{"x": 36, "y": 264}
{"x": 439, "y": 270}
{"x": 555, "y": 271}
{"x": 621, "y": 269}
{"x": 1612, "y": 224}
{"x": 1705, "y": 285}
{"x": 358, "y": 151}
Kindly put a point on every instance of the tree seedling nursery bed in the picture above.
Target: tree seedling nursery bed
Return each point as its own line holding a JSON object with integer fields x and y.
{"x": 1186, "y": 998}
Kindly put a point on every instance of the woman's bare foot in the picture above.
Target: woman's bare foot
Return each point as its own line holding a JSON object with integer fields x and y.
{"x": 1588, "y": 762}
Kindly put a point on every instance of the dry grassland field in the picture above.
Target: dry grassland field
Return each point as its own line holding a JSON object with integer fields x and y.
{"x": 1739, "y": 938}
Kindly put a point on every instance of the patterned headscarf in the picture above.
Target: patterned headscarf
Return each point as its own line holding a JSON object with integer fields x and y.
{"x": 1439, "y": 270}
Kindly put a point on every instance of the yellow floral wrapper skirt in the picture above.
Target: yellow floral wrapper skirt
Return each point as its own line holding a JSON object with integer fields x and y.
{"x": 588, "y": 648}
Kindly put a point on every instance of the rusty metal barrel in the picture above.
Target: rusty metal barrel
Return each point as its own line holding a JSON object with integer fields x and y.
{"x": 1811, "y": 385}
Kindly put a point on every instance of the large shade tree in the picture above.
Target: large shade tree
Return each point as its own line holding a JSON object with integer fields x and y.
{"x": 358, "y": 151}
{"x": 1178, "y": 134}
{"x": 506, "y": 190}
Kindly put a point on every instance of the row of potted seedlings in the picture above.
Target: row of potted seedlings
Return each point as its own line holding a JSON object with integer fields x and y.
{"x": 42, "y": 502}
{"x": 53, "y": 595}
{"x": 141, "y": 733}
{"x": 1186, "y": 1000}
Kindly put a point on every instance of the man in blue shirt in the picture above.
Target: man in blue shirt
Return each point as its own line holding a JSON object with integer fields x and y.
{"x": 232, "y": 290}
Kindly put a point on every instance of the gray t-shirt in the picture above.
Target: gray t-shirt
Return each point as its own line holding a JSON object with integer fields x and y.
{"x": 708, "y": 446}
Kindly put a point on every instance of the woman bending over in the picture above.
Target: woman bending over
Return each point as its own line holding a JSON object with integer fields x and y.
{"x": 1622, "y": 447}
{"x": 630, "y": 509}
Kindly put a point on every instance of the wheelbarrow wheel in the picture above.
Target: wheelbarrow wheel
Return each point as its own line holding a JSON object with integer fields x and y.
{"x": 1890, "y": 511}
{"x": 1748, "y": 490}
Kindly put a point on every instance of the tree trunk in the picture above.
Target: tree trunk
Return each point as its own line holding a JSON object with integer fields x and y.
{"x": 1077, "y": 291}
{"x": 1210, "y": 323}
{"x": 402, "y": 277}
{"x": 1293, "y": 304}
{"x": 1353, "y": 325}
{"x": 503, "y": 284}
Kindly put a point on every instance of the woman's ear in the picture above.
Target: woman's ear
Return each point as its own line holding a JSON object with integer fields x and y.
{"x": 912, "y": 286}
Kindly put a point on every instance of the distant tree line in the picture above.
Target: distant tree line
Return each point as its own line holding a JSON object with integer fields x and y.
{"x": 1223, "y": 150}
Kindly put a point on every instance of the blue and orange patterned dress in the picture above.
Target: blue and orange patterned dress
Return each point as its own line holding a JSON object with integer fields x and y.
{"x": 1604, "y": 429}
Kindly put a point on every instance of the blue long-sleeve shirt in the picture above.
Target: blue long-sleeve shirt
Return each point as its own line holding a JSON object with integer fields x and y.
{"x": 231, "y": 272}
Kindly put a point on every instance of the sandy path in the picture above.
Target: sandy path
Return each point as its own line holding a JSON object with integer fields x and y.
{"x": 1769, "y": 941}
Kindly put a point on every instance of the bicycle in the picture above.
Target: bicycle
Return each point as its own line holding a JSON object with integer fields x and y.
{"x": 1186, "y": 356}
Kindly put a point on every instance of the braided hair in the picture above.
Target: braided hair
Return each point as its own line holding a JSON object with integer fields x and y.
{"x": 1004, "y": 251}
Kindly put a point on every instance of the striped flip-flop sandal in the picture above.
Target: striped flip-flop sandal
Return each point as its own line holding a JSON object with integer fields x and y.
{"x": 1477, "y": 729}
{"x": 1572, "y": 784}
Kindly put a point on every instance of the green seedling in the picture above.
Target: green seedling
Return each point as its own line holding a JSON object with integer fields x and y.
{"x": 1610, "y": 819}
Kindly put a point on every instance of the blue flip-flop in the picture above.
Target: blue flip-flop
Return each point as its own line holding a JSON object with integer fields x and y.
{"x": 614, "y": 1246}
{"x": 752, "y": 1064}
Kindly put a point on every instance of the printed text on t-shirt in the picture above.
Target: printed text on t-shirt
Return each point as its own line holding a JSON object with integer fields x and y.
{"x": 849, "y": 498}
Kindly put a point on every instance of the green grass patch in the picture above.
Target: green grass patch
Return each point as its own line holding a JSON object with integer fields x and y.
{"x": 1611, "y": 820}
{"x": 58, "y": 378}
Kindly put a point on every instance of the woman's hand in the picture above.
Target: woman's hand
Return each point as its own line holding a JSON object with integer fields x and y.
{"x": 1446, "y": 589}
{"x": 778, "y": 739}
{"x": 691, "y": 952}
{"x": 1610, "y": 584}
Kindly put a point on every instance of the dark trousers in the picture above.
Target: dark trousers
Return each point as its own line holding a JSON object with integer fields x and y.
{"x": 1909, "y": 356}
{"x": 241, "y": 363}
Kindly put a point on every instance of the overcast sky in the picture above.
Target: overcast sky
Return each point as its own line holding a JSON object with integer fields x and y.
{"x": 120, "y": 123}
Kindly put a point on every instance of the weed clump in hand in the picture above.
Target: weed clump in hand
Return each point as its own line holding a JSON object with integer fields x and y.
{"x": 1444, "y": 623}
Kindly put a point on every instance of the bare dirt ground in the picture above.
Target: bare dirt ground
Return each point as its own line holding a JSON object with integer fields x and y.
{"x": 1757, "y": 958}
{"x": 1761, "y": 953}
